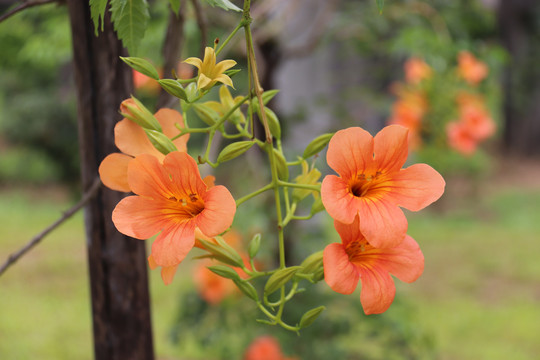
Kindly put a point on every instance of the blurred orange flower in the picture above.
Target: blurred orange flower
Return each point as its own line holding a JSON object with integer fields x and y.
{"x": 145, "y": 83}
{"x": 460, "y": 139}
{"x": 265, "y": 348}
{"x": 416, "y": 70}
{"x": 471, "y": 69}
{"x": 408, "y": 112}
{"x": 355, "y": 259}
{"x": 132, "y": 141}
{"x": 172, "y": 200}
{"x": 372, "y": 184}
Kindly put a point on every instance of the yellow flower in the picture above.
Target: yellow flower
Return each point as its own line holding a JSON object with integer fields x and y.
{"x": 226, "y": 104}
{"x": 210, "y": 72}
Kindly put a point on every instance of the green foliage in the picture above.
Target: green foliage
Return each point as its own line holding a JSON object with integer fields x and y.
{"x": 97, "y": 13}
{"x": 130, "y": 19}
{"x": 224, "y": 4}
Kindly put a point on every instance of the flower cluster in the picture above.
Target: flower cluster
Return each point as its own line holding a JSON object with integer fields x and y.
{"x": 364, "y": 201}
{"x": 423, "y": 108}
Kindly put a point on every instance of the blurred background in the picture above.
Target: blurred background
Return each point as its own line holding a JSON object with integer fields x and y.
{"x": 462, "y": 75}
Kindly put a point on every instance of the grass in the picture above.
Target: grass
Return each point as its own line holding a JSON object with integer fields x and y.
{"x": 478, "y": 297}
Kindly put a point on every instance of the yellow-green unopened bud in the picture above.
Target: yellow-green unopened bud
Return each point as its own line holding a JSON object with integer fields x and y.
{"x": 135, "y": 111}
{"x": 316, "y": 145}
{"x": 247, "y": 289}
{"x": 281, "y": 165}
{"x": 280, "y": 278}
{"x": 234, "y": 150}
{"x": 224, "y": 271}
{"x": 160, "y": 141}
{"x": 174, "y": 88}
{"x": 254, "y": 246}
{"x": 310, "y": 316}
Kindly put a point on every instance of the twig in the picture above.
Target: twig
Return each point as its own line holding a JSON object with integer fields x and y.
{"x": 201, "y": 22}
{"x": 12, "y": 258}
{"x": 25, "y": 5}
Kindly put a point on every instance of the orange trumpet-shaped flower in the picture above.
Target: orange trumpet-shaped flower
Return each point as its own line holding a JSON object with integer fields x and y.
{"x": 132, "y": 141}
{"x": 470, "y": 68}
{"x": 416, "y": 70}
{"x": 460, "y": 139}
{"x": 172, "y": 200}
{"x": 265, "y": 348}
{"x": 372, "y": 184}
{"x": 355, "y": 259}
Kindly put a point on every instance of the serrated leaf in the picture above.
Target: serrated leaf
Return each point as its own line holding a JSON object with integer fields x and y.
{"x": 130, "y": 19}
{"x": 224, "y": 4}
{"x": 97, "y": 13}
{"x": 175, "y": 6}
{"x": 380, "y": 5}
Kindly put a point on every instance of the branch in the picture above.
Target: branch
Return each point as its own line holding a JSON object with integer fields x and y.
{"x": 25, "y": 5}
{"x": 88, "y": 195}
{"x": 201, "y": 22}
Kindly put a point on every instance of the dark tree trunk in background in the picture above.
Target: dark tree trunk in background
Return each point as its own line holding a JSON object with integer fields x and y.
{"x": 117, "y": 264}
{"x": 519, "y": 22}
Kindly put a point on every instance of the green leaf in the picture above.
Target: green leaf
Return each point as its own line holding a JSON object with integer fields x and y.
{"x": 224, "y": 4}
{"x": 130, "y": 19}
{"x": 97, "y": 12}
{"x": 174, "y": 88}
{"x": 141, "y": 65}
{"x": 310, "y": 316}
{"x": 380, "y": 5}
{"x": 175, "y": 6}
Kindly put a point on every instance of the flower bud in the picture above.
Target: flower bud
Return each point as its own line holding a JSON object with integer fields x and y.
{"x": 160, "y": 141}
{"x": 135, "y": 111}
{"x": 280, "y": 278}
{"x": 310, "y": 316}
{"x": 234, "y": 150}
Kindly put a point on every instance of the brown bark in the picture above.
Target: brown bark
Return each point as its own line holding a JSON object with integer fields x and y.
{"x": 520, "y": 32}
{"x": 117, "y": 264}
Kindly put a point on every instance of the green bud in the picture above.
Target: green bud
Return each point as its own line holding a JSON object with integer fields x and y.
{"x": 224, "y": 271}
{"x": 317, "y": 206}
{"x": 174, "y": 88}
{"x": 254, "y": 246}
{"x": 135, "y": 111}
{"x": 206, "y": 113}
{"x": 273, "y": 123}
{"x": 191, "y": 92}
{"x": 266, "y": 97}
{"x": 226, "y": 255}
{"x": 310, "y": 316}
{"x": 234, "y": 150}
{"x": 317, "y": 145}
{"x": 312, "y": 263}
{"x": 247, "y": 289}
{"x": 280, "y": 278}
{"x": 142, "y": 66}
{"x": 281, "y": 165}
{"x": 160, "y": 141}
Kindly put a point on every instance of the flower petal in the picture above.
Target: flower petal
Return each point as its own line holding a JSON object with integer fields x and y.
{"x": 204, "y": 81}
{"x": 383, "y": 224}
{"x": 167, "y": 273}
{"x": 131, "y": 139}
{"x": 416, "y": 187}
{"x": 184, "y": 174}
{"x": 147, "y": 177}
{"x": 405, "y": 261}
{"x": 138, "y": 217}
{"x": 173, "y": 244}
{"x": 338, "y": 200}
{"x": 350, "y": 152}
{"x": 223, "y": 66}
{"x": 113, "y": 171}
{"x": 209, "y": 60}
{"x": 391, "y": 148}
{"x": 225, "y": 79}
{"x": 194, "y": 61}
{"x": 168, "y": 118}
{"x": 218, "y": 213}
{"x": 339, "y": 273}
{"x": 378, "y": 290}
{"x": 348, "y": 232}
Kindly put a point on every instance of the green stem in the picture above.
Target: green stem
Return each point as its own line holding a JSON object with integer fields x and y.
{"x": 290, "y": 214}
{"x": 238, "y": 27}
{"x": 253, "y": 194}
{"x": 300, "y": 186}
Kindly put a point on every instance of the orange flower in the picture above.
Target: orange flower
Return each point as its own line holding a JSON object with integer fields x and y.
{"x": 372, "y": 184}
{"x": 172, "y": 200}
{"x": 145, "y": 83}
{"x": 460, "y": 139}
{"x": 265, "y": 348}
{"x": 416, "y": 70}
{"x": 478, "y": 122}
{"x": 471, "y": 69}
{"x": 355, "y": 259}
{"x": 131, "y": 139}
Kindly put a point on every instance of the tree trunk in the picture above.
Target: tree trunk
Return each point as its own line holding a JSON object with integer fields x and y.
{"x": 520, "y": 31}
{"x": 117, "y": 264}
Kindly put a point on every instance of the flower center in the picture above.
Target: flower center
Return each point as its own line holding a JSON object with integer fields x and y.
{"x": 363, "y": 185}
{"x": 356, "y": 248}
{"x": 190, "y": 206}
